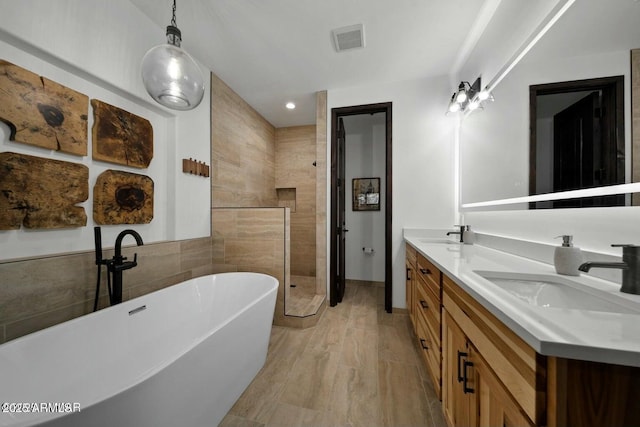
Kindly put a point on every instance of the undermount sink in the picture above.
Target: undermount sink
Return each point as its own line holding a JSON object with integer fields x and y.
{"x": 438, "y": 240}
{"x": 558, "y": 292}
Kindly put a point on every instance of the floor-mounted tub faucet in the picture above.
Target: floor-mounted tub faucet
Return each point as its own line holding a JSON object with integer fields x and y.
{"x": 630, "y": 267}
{"x": 118, "y": 264}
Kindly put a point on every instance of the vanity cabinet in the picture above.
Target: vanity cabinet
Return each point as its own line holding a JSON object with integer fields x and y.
{"x": 504, "y": 375}
{"x": 486, "y": 375}
{"x": 514, "y": 385}
{"x": 424, "y": 302}
{"x": 459, "y": 401}
{"x": 473, "y": 395}
{"x": 428, "y": 309}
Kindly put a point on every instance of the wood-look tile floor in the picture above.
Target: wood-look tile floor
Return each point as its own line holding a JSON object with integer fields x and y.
{"x": 358, "y": 366}
{"x": 303, "y": 300}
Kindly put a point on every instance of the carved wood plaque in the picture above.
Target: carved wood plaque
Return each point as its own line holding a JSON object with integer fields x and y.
{"x": 42, "y": 112}
{"x": 41, "y": 193}
{"x": 122, "y": 198}
{"x": 121, "y": 137}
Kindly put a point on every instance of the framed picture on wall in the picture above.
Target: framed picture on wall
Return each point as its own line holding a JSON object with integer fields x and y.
{"x": 366, "y": 194}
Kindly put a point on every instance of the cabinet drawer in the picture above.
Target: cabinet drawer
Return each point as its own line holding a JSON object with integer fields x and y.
{"x": 410, "y": 254}
{"x": 512, "y": 360}
{"x": 430, "y": 351}
{"x": 429, "y": 273}
{"x": 428, "y": 305}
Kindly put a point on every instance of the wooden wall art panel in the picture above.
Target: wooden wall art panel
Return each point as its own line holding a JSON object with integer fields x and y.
{"x": 41, "y": 193}
{"x": 121, "y": 137}
{"x": 42, "y": 112}
{"x": 122, "y": 198}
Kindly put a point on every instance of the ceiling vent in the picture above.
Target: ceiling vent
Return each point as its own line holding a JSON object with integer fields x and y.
{"x": 351, "y": 37}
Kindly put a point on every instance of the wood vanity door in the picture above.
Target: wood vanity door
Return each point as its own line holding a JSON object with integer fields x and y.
{"x": 496, "y": 407}
{"x": 459, "y": 404}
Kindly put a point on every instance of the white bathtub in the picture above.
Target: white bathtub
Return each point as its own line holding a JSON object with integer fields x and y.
{"x": 180, "y": 356}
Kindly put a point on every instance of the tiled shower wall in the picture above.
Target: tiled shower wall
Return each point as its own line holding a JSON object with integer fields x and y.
{"x": 247, "y": 226}
{"x": 295, "y": 172}
{"x": 40, "y": 292}
{"x": 242, "y": 152}
{"x": 256, "y": 240}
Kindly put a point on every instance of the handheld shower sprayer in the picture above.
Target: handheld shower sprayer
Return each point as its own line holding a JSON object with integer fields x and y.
{"x": 97, "y": 234}
{"x": 98, "y": 240}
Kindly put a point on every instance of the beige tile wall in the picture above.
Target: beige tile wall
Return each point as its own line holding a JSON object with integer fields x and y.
{"x": 321, "y": 192}
{"x": 242, "y": 152}
{"x": 40, "y": 292}
{"x": 295, "y": 154}
{"x": 257, "y": 240}
{"x": 244, "y": 174}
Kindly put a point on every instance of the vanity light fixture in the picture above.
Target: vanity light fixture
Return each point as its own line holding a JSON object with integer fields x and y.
{"x": 170, "y": 75}
{"x": 469, "y": 97}
{"x": 480, "y": 99}
{"x": 454, "y": 106}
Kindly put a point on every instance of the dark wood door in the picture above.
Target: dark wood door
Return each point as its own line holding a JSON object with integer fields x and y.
{"x": 573, "y": 144}
{"x": 342, "y": 230}
{"x": 575, "y": 130}
{"x": 338, "y": 205}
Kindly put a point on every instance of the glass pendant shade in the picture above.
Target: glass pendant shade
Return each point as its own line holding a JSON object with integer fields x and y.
{"x": 171, "y": 76}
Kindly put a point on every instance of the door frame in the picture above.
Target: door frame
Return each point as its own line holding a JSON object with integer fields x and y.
{"x": 336, "y": 113}
{"x": 614, "y": 112}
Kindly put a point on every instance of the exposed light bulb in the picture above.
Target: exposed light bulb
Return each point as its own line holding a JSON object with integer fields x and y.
{"x": 483, "y": 95}
{"x": 454, "y": 107}
{"x": 290, "y": 105}
{"x": 461, "y": 97}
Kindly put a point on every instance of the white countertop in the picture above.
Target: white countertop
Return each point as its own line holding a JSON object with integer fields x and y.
{"x": 569, "y": 333}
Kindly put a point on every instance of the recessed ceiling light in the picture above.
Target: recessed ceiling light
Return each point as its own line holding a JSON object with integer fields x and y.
{"x": 290, "y": 105}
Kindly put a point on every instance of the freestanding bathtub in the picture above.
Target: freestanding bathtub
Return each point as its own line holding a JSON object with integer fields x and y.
{"x": 180, "y": 356}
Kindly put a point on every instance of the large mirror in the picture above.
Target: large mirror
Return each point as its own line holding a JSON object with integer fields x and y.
{"x": 501, "y": 165}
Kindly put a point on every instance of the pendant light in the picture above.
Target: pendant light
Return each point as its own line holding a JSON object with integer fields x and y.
{"x": 170, "y": 75}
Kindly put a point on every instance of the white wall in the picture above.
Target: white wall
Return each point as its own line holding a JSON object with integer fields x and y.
{"x": 512, "y": 25}
{"x": 95, "y": 47}
{"x": 422, "y": 158}
{"x": 365, "y": 158}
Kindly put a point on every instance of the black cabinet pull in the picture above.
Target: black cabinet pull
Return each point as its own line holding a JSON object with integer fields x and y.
{"x": 423, "y": 303}
{"x": 465, "y": 388}
{"x": 461, "y": 354}
{"x": 425, "y": 271}
{"x": 408, "y": 274}
{"x": 422, "y": 344}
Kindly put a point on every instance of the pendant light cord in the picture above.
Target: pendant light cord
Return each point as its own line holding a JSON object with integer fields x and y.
{"x": 173, "y": 19}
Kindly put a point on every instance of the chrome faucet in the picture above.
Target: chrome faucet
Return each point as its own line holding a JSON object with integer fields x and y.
{"x": 117, "y": 265}
{"x": 463, "y": 228}
{"x": 630, "y": 267}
